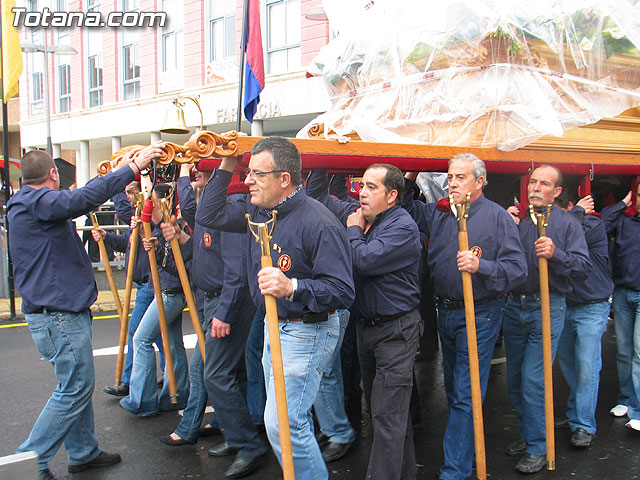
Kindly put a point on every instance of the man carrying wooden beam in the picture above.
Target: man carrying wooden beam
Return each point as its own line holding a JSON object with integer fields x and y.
{"x": 565, "y": 249}
{"x": 313, "y": 278}
{"x": 496, "y": 262}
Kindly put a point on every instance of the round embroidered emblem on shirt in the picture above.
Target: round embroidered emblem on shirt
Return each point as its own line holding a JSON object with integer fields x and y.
{"x": 284, "y": 263}
{"x": 207, "y": 240}
{"x": 477, "y": 251}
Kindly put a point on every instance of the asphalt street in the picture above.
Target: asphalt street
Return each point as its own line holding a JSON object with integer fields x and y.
{"x": 27, "y": 382}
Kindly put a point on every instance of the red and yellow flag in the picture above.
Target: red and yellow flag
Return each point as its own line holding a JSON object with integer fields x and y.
{"x": 11, "y": 53}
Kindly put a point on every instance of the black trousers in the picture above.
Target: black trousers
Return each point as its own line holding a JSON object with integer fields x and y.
{"x": 387, "y": 353}
{"x": 225, "y": 377}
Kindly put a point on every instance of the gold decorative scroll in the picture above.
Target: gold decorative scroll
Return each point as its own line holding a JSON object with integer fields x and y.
{"x": 201, "y": 145}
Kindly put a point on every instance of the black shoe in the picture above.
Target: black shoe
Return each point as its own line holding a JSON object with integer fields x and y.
{"x": 160, "y": 382}
{"x": 121, "y": 390}
{"x": 516, "y": 447}
{"x": 581, "y": 438}
{"x": 242, "y": 466}
{"x": 208, "y": 431}
{"x": 46, "y": 475}
{"x": 167, "y": 440}
{"x": 103, "y": 460}
{"x": 322, "y": 439}
{"x": 531, "y": 463}
{"x": 561, "y": 422}
{"x": 222, "y": 450}
{"x": 334, "y": 451}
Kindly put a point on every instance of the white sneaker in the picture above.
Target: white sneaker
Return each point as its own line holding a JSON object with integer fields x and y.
{"x": 633, "y": 425}
{"x": 619, "y": 411}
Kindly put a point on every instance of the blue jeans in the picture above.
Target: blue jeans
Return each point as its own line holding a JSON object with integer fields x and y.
{"x": 64, "y": 340}
{"x": 143, "y": 390}
{"x": 256, "y": 394}
{"x": 329, "y": 404}
{"x": 307, "y": 350}
{"x": 144, "y": 297}
{"x": 193, "y": 413}
{"x": 458, "y": 443}
{"x": 626, "y": 308}
{"x": 580, "y": 358}
{"x": 522, "y": 331}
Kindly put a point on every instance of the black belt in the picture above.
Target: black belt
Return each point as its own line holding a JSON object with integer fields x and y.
{"x": 451, "y": 304}
{"x": 380, "y": 319}
{"x": 590, "y": 302}
{"x": 48, "y": 310}
{"x": 213, "y": 294}
{"x": 529, "y": 297}
{"x": 309, "y": 317}
{"x": 172, "y": 291}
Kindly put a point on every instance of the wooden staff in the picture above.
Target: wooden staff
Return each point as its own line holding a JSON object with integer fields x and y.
{"x": 541, "y": 220}
{"x": 124, "y": 317}
{"x": 157, "y": 289}
{"x": 107, "y": 265}
{"x": 461, "y": 212}
{"x": 184, "y": 280}
{"x": 262, "y": 234}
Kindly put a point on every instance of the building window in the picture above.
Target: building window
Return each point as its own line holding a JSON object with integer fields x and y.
{"x": 283, "y": 36}
{"x": 130, "y": 56}
{"x": 64, "y": 88}
{"x": 172, "y": 40}
{"x": 222, "y": 29}
{"x": 131, "y": 71}
{"x": 95, "y": 80}
{"x": 36, "y": 80}
{"x": 94, "y": 58}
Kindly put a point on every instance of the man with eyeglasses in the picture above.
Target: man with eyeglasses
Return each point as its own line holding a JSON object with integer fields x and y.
{"x": 313, "y": 278}
{"x": 54, "y": 275}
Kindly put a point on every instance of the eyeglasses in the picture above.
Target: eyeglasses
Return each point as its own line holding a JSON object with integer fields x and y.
{"x": 252, "y": 173}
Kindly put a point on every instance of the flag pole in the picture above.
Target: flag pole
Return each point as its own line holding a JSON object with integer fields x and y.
{"x": 6, "y": 180}
{"x": 243, "y": 48}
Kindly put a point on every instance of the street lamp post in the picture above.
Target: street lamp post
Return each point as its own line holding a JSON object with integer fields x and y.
{"x": 29, "y": 47}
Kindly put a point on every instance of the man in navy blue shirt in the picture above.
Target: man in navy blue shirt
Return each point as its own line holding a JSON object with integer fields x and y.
{"x": 580, "y": 346}
{"x": 497, "y": 263}
{"x": 623, "y": 221}
{"x": 54, "y": 275}
{"x": 385, "y": 245}
{"x": 565, "y": 248}
{"x": 312, "y": 279}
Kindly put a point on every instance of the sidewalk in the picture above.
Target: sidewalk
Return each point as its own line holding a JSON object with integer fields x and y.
{"x": 104, "y": 303}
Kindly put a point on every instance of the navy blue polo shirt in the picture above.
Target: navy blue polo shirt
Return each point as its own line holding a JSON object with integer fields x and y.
{"x": 492, "y": 234}
{"x": 219, "y": 258}
{"x": 51, "y": 266}
{"x": 122, "y": 242}
{"x": 167, "y": 269}
{"x": 598, "y": 285}
{"x": 626, "y": 251}
{"x": 570, "y": 261}
{"x": 307, "y": 244}
{"x": 386, "y": 263}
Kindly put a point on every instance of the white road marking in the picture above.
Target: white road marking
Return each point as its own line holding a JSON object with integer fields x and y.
{"x": 189, "y": 344}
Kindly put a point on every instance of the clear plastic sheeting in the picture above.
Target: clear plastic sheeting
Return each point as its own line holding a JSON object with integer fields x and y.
{"x": 433, "y": 185}
{"x": 476, "y": 73}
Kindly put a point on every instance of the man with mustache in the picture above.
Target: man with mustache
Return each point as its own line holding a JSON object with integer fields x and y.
{"x": 565, "y": 248}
